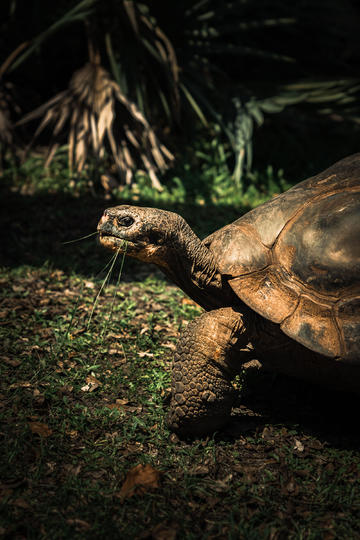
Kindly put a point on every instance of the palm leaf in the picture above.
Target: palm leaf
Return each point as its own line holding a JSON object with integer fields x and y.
{"x": 94, "y": 108}
{"x": 78, "y": 13}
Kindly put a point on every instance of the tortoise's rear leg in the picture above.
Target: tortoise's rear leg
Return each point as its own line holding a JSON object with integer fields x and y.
{"x": 202, "y": 393}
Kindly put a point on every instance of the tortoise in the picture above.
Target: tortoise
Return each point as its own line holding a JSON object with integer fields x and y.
{"x": 280, "y": 285}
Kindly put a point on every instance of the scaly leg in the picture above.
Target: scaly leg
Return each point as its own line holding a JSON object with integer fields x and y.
{"x": 202, "y": 393}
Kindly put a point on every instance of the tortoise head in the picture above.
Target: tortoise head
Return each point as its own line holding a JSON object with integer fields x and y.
{"x": 144, "y": 233}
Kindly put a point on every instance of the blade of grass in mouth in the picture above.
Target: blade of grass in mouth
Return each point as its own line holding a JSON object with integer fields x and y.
{"x": 107, "y": 277}
{"x": 124, "y": 247}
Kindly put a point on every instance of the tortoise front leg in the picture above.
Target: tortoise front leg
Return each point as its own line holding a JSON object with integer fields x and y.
{"x": 202, "y": 393}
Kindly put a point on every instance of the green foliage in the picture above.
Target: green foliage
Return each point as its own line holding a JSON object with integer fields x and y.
{"x": 32, "y": 177}
{"x": 203, "y": 178}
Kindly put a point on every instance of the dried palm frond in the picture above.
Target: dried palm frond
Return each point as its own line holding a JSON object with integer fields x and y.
{"x": 149, "y": 69}
{"x": 99, "y": 115}
{"x": 8, "y": 105}
{"x": 159, "y": 45}
{"x": 6, "y": 125}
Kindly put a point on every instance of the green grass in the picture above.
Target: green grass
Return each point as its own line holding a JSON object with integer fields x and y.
{"x": 251, "y": 481}
{"x": 204, "y": 177}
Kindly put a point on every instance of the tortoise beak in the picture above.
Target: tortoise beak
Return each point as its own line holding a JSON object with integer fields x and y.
{"x": 106, "y": 226}
{"x": 109, "y": 234}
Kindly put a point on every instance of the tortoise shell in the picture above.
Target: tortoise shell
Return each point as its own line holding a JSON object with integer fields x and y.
{"x": 296, "y": 260}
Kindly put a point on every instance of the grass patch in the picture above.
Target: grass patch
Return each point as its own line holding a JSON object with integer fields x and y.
{"x": 81, "y": 408}
{"x": 203, "y": 177}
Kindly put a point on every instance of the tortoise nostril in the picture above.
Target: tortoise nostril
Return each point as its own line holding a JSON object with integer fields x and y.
{"x": 109, "y": 213}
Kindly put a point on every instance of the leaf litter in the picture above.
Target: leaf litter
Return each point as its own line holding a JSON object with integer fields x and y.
{"x": 139, "y": 480}
{"x": 288, "y": 463}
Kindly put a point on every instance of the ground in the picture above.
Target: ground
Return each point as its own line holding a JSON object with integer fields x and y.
{"x": 85, "y": 449}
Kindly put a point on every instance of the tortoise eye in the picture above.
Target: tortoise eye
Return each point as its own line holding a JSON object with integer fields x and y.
{"x": 126, "y": 221}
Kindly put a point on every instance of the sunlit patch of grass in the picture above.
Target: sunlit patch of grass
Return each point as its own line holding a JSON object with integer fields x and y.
{"x": 204, "y": 178}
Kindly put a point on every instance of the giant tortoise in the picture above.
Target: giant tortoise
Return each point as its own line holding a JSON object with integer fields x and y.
{"x": 280, "y": 285}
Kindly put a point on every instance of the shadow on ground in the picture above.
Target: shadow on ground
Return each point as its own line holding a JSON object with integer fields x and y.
{"x": 317, "y": 411}
{"x": 33, "y": 229}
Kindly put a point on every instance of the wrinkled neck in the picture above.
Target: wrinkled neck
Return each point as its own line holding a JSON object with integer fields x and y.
{"x": 191, "y": 265}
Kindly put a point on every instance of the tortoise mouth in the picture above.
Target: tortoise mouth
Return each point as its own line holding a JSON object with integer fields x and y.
{"x": 110, "y": 241}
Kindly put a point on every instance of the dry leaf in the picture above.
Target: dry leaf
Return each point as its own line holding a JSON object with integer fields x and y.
{"x": 77, "y": 332}
{"x": 121, "y": 402}
{"x": 40, "y": 429}
{"x": 156, "y": 307}
{"x": 45, "y": 332}
{"x": 118, "y": 362}
{"x": 298, "y": 446}
{"x": 164, "y": 531}
{"x": 170, "y": 345}
{"x": 90, "y": 106}
{"x": 267, "y": 434}
{"x": 92, "y": 384}
{"x": 115, "y": 336}
{"x": 66, "y": 389}
{"x": 147, "y": 354}
{"x": 115, "y": 406}
{"x": 200, "y": 470}
{"x": 161, "y": 327}
{"x": 39, "y": 397}
{"x": 188, "y": 302}
{"x": 20, "y": 385}
{"x": 252, "y": 364}
{"x": 72, "y": 470}
{"x": 18, "y": 288}
{"x": 221, "y": 485}
{"x": 131, "y": 449}
{"x": 139, "y": 480}
{"x": 21, "y": 503}
{"x": 73, "y": 433}
{"x": 116, "y": 350}
{"x": 10, "y": 361}
{"x": 122, "y": 405}
{"x": 79, "y": 524}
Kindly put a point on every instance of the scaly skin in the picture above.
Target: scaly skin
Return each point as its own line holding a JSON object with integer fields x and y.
{"x": 202, "y": 393}
{"x": 165, "y": 239}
